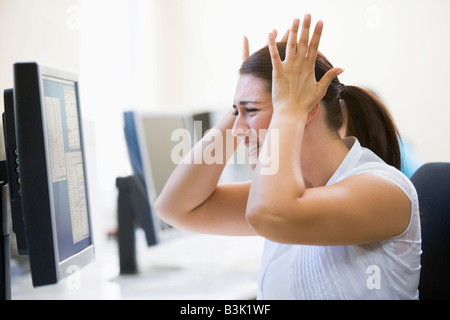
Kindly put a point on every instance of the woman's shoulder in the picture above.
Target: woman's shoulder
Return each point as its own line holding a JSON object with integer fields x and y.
{"x": 367, "y": 162}
{"x": 370, "y": 163}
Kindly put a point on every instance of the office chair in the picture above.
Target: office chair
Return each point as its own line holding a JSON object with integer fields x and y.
{"x": 432, "y": 182}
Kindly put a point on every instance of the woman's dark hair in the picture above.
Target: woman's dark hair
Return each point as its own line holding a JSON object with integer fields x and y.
{"x": 367, "y": 117}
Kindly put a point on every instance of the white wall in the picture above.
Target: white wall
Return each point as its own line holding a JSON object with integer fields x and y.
{"x": 187, "y": 52}
{"x": 398, "y": 49}
{"x": 42, "y": 30}
{"x": 152, "y": 55}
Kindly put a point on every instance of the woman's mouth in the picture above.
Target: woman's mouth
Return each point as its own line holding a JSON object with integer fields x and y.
{"x": 252, "y": 149}
{"x": 252, "y": 145}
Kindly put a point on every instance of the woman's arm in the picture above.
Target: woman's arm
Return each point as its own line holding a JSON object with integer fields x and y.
{"x": 360, "y": 209}
{"x": 193, "y": 200}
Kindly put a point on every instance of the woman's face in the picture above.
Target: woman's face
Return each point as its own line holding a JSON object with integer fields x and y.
{"x": 253, "y": 110}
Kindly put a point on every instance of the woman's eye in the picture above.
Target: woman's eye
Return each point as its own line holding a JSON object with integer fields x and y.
{"x": 247, "y": 110}
{"x": 235, "y": 111}
{"x": 251, "y": 110}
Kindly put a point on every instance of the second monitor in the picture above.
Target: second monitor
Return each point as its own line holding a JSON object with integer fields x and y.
{"x": 151, "y": 144}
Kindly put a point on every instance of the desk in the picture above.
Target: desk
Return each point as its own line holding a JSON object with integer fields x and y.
{"x": 193, "y": 267}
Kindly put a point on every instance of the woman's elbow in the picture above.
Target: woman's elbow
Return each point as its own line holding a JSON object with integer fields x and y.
{"x": 269, "y": 219}
{"x": 259, "y": 217}
{"x": 164, "y": 210}
{"x": 172, "y": 214}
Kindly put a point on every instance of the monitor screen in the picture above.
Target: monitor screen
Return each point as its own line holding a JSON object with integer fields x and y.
{"x": 66, "y": 165}
{"x": 155, "y": 134}
{"x": 53, "y": 184}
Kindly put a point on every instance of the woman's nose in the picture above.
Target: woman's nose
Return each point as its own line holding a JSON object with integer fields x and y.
{"x": 240, "y": 127}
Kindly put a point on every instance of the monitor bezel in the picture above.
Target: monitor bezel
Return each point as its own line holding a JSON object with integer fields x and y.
{"x": 39, "y": 214}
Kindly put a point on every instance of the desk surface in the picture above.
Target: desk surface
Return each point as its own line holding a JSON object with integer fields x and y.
{"x": 191, "y": 267}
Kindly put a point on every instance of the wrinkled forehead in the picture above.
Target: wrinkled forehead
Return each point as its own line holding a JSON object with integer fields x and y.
{"x": 251, "y": 88}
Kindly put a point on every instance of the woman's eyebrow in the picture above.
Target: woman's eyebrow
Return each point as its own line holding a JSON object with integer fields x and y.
{"x": 245, "y": 102}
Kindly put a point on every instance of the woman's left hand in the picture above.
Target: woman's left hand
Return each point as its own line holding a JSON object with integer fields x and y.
{"x": 295, "y": 89}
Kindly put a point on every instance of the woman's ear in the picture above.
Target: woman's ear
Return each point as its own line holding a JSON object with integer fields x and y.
{"x": 312, "y": 114}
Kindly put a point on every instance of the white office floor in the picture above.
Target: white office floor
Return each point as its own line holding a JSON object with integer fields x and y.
{"x": 194, "y": 267}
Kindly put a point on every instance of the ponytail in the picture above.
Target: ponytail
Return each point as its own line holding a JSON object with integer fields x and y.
{"x": 370, "y": 121}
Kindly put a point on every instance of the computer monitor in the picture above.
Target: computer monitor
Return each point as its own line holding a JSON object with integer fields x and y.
{"x": 150, "y": 145}
{"x": 156, "y": 144}
{"x": 51, "y": 185}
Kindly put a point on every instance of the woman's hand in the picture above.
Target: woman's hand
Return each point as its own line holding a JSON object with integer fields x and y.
{"x": 295, "y": 89}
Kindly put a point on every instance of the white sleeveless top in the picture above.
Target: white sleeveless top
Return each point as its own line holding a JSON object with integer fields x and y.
{"x": 388, "y": 269}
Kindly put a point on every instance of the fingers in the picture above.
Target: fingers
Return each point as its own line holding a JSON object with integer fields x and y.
{"x": 245, "y": 49}
{"x": 246, "y": 46}
{"x": 275, "y": 33}
{"x": 291, "y": 49}
{"x": 299, "y": 50}
{"x": 326, "y": 80}
{"x": 274, "y": 54}
{"x": 315, "y": 40}
{"x": 304, "y": 36}
{"x": 286, "y": 36}
{"x": 304, "y": 49}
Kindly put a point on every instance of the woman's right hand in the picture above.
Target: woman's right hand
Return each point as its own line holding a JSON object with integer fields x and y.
{"x": 295, "y": 88}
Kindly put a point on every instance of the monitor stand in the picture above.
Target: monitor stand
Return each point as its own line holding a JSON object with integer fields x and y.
{"x": 5, "y": 258}
{"x": 134, "y": 211}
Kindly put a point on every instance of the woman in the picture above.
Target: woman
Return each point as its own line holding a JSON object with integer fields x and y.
{"x": 341, "y": 221}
